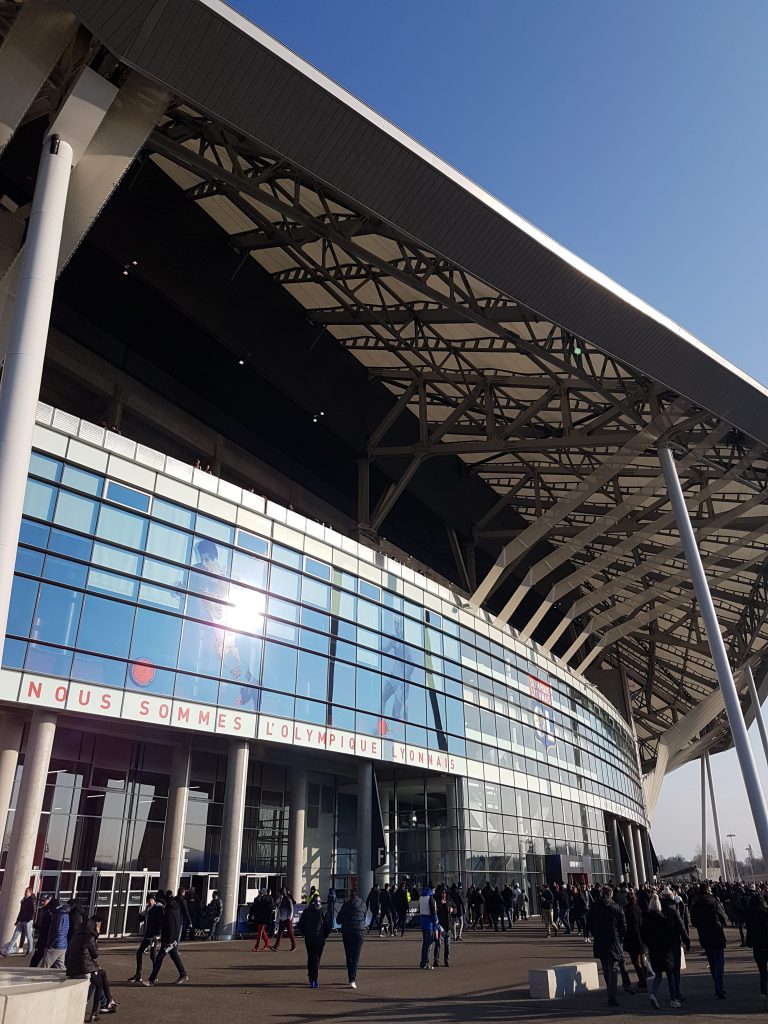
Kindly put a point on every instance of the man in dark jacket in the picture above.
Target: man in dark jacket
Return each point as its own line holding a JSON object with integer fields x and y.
{"x": 186, "y": 920}
{"x": 457, "y": 897}
{"x": 57, "y": 936}
{"x": 315, "y": 927}
{"x": 213, "y": 913}
{"x": 400, "y": 904}
{"x": 22, "y": 929}
{"x": 446, "y": 912}
{"x": 82, "y": 961}
{"x": 152, "y": 916}
{"x": 43, "y": 927}
{"x": 386, "y": 924}
{"x": 262, "y": 911}
{"x": 351, "y": 920}
{"x": 169, "y": 941}
{"x": 756, "y": 919}
{"x": 608, "y": 928}
{"x": 708, "y": 918}
{"x": 373, "y": 903}
{"x": 547, "y": 904}
{"x": 76, "y": 918}
{"x": 195, "y": 911}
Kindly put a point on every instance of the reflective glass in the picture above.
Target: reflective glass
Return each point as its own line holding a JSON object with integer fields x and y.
{"x": 258, "y": 545}
{"x": 30, "y": 562}
{"x": 143, "y": 675}
{"x": 70, "y": 544}
{"x": 116, "y": 558}
{"x": 284, "y": 583}
{"x": 235, "y": 695}
{"x": 393, "y": 698}
{"x": 45, "y": 466}
{"x": 34, "y": 534}
{"x": 82, "y": 480}
{"x": 89, "y": 668}
{"x": 39, "y": 499}
{"x": 312, "y": 677}
{"x": 57, "y": 615}
{"x": 369, "y": 691}
{"x": 156, "y": 638}
{"x": 169, "y": 542}
{"x": 50, "y": 661}
{"x": 14, "y": 653}
{"x": 105, "y": 626}
{"x": 279, "y": 670}
{"x": 250, "y": 570}
{"x": 174, "y": 514}
{"x": 61, "y": 570}
{"x": 122, "y": 527}
{"x": 196, "y": 688}
{"x": 341, "y": 688}
{"x": 343, "y": 718}
{"x": 76, "y": 512}
{"x": 214, "y": 528}
{"x": 201, "y": 648}
{"x": 311, "y": 711}
{"x": 279, "y": 704}
{"x": 110, "y": 583}
{"x": 128, "y": 496}
{"x": 22, "y": 607}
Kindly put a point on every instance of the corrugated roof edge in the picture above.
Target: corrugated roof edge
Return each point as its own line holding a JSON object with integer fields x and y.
{"x": 566, "y": 290}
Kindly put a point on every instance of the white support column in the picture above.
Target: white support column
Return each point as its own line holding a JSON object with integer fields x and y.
{"x": 20, "y": 386}
{"x": 642, "y": 873}
{"x": 11, "y": 729}
{"x": 703, "y": 866}
{"x": 172, "y": 859}
{"x": 719, "y": 654}
{"x": 718, "y": 838}
{"x": 618, "y": 866}
{"x": 758, "y": 710}
{"x": 232, "y": 836}
{"x": 26, "y": 820}
{"x": 364, "y": 817}
{"x": 648, "y": 854}
{"x": 626, "y": 830}
{"x": 297, "y": 812}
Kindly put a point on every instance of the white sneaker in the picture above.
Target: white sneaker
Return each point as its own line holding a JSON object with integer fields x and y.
{"x": 676, "y": 1003}
{"x": 353, "y": 984}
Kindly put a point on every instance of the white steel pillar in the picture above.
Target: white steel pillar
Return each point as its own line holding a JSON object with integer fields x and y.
{"x": 20, "y": 387}
{"x": 618, "y": 866}
{"x": 11, "y": 729}
{"x": 364, "y": 818}
{"x": 626, "y": 830}
{"x": 704, "y": 874}
{"x": 172, "y": 858}
{"x": 232, "y": 836}
{"x": 717, "y": 647}
{"x": 718, "y": 837}
{"x": 26, "y": 820}
{"x": 642, "y": 873}
{"x": 756, "y": 705}
{"x": 297, "y": 812}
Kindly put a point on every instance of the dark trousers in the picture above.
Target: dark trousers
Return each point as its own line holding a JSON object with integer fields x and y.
{"x": 286, "y": 925}
{"x": 611, "y": 975}
{"x": 637, "y": 963}
{"x": 146, "y": 944}
{"x": 37, "y": 956}
{"x": 445, "y": 936}
{"x": 760, "y": 953}
{"x": 176, "y": 960}
{"x": 353, "y": 943}
{"x": 314, "y": 952}
{"x": 716, "y": 960}
{"x": 427, "y": 940}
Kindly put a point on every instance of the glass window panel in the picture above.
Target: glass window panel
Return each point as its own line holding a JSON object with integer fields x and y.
{"x": 14, "y": 653}
{"x": 369, "y": 691}
{"x": 245, "y": 609}
{"x": 82, "y": 480}
{"x": 89, "y": 668}
{"x": 312, "y": 677}
{"x": 116, "y": 558}
{"x": 342, "y": 683}
{"x": 311, "y": 565}
{"x": 368, "y": 614}
{"x": 57, "y": 615}
{"x": 45, "y": 466}
{"x": 241, "y": 657}
{"x": 174, "y": 514}
{"x": 70, "y": 544}
{"x": 156, "y": 638}
{"x": 343, "y": 718}
{"x": 370, "y": 591}
{"x": 105, "y": 626}
{"x": 122, "y": 527}
{"x": 169, "y": 542}
{"x": 30, "y": 562}
{"x": 315, "y": 593}
{"x": 109, "y": 583}
{"x": 161, "y": 572}
{"x": 159, "y": 597}
{"x": 196, "y": 688}
{"x": 50, "y": 661}
{"x": 284, "y": 583}
{"x": 250, "y": 570}
{"x": 251, "y": 542}
{"x": 235, "y": 695}
{"x": 393, "y": 697}
{"x": 39, "y": 499}
{"x": 416, "y": 735}
{"x": 344, "y": 604}
{"x": 286, "y": 556}
{"x": 61, "y": 570}
{"x": 127, "y": 496}
{"x": 282, "y": 631}
{"x": 317, "y": 642}
{"x": 279, "y": 670}
{"x": 279, "y": 704}
{"x": 201, "y": 648}
{"x": 145, "y": 676}
{"x": 214, "y": 528}
{"x": 22, "y": 607}
{"x": 34, "y": 534}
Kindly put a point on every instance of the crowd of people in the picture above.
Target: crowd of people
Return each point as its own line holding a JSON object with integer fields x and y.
{"x": 651, "y": 925}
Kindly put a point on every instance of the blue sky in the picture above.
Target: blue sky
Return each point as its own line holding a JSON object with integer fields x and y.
{"x": 633, "y": 132}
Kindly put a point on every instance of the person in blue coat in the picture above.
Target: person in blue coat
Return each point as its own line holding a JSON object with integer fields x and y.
{"x": 57, "y": 936}
{"x": 429, "y": 925}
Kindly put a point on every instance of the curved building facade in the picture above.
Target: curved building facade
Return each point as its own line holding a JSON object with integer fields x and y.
{"x": 198, "y": 620}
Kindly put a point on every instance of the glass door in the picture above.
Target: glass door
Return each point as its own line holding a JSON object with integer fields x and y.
{"x": 136, "y": 888}
{"x": 103, "y": 900}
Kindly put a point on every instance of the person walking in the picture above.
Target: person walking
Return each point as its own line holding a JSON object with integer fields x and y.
{"x": 263, "y": 909}
{"x": 284, "y": 910}
{"x": 57, "y": 936}
{"x": 633, "y": 940}
{"x": 756, "y": 920}
{"x": 152, "y": 916}
{"x": 608, "y": 927}
{"x": 660, "y": 936}
{"x": 331, "y": 905}
{"x": 23, "y": 927}
{"x": 446, "y": 913}
{"x": 186, "y": 920}
{"x": 169, "y": 942}
{"x": 82, "y": 961}
{"x": 43, "y": 928}
{"x": 547, "y": 904}
{"x": 429, "y": 925}
{"x": 457, "y": 897}
{"x": 508, "y": 898}
{"x": 372, "y": 905}
{"x": 351, "y": 919}
{"x": 400, "y": 903}
{"x": 315, "y": 927}
{"x": 195, "y": 912}
{"x": 386, "y": 922}
{"x": 213, "y": 913}
{"x": 709, "y": 920}
{"x": 671, "y": 910}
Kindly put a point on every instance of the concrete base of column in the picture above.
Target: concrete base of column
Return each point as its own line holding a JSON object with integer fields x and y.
{"x": 26, "y": 820}
{"x": 172, "y": 860}
{"x": 232, "y": 837}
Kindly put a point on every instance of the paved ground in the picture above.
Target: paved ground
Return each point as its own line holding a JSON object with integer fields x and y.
{"x": 487, "y": 981}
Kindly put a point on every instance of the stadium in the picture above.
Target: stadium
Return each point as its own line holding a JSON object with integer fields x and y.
{"x": 353, "y": 528}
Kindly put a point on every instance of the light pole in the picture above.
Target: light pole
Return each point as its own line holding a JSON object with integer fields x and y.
{"x": 732, "y": 836}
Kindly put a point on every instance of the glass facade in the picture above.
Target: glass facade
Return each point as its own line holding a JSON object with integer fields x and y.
{"x": 123, "y": 588}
